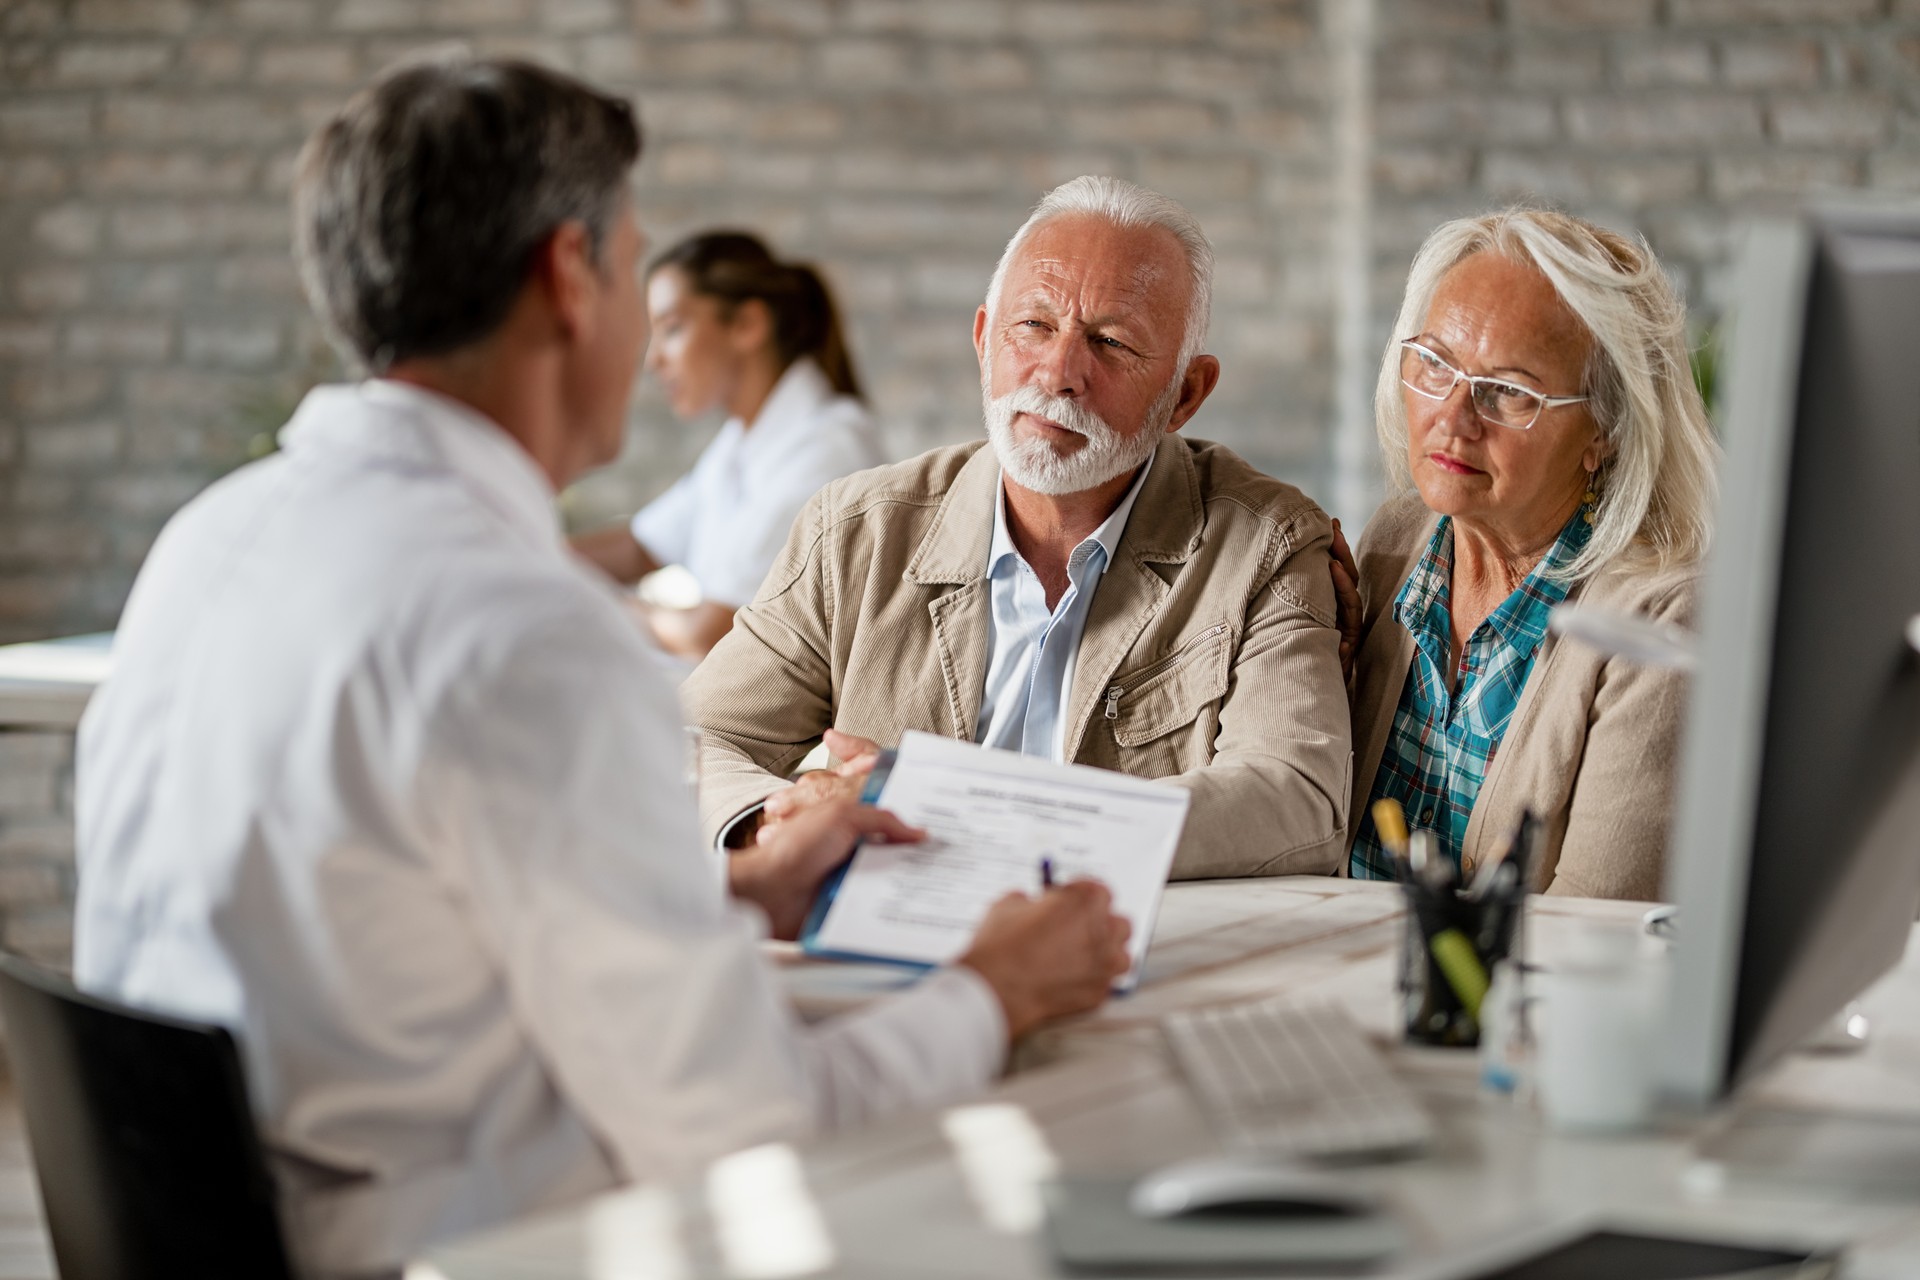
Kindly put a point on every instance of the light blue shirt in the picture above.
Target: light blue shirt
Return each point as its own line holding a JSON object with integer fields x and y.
{"x": 1030, "y": 648}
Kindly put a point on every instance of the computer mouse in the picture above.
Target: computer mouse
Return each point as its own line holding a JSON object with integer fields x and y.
{"x": 1246, "y": 1186}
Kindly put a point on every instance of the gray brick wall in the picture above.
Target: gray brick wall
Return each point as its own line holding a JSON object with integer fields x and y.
{"x": 151, "y": 328}
{"x": 1672, "y": 117}
{"x": 36, "y": 845}
{"x": 152, "y": 333}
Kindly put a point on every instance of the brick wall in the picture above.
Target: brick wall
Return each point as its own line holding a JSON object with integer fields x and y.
{"x": 152, "y": 333}
{"x": 36, "y": 844}
{"x": 1672, "y": 117}
{"x": 151, "y": 329}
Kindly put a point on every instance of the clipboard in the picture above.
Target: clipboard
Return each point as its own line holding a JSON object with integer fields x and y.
{"x": 830, "y": 886}
{"x": 992, "y": 809}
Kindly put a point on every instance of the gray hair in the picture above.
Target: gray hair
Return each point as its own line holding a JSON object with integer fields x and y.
{"x": 1126, "y": 204}
{"x": 1658, "y": 485}
{"x": 418, "y": 206}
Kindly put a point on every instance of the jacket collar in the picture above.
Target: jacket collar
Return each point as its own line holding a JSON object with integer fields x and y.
{"x": 1163, "y": 529}
{"x": 1520, "y": 620}
{"x": 1105, "y": 539}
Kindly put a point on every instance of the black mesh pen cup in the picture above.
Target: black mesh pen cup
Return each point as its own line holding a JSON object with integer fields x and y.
{"x": 1452, "y": 941}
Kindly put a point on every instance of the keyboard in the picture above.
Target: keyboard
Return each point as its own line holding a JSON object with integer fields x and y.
{"x": 1296, "y": 1079}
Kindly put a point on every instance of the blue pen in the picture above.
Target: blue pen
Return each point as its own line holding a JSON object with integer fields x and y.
{"x": 1046, "y": 873}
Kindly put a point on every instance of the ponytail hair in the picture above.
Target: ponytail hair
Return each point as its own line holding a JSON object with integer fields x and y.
{"x": 733, "y": 267}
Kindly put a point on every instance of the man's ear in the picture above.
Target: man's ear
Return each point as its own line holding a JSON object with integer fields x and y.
{"x": 1201, "y": 377}
{"x": 980, "y": 336}
{"x": 564, "y": 269}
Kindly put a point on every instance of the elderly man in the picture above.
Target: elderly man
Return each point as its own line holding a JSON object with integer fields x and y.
{"x": 384, "y": 780}
{"x": 1092, "y": 588}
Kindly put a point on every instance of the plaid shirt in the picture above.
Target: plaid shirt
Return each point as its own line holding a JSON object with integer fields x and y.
{"x": 1442, "y": 745}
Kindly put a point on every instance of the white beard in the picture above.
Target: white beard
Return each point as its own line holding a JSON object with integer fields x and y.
{"x": 1034, "y": 464}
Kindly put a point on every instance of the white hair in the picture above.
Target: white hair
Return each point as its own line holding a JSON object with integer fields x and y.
{"x": 1658, "y": 485}
{"x": 1125, "y": 204}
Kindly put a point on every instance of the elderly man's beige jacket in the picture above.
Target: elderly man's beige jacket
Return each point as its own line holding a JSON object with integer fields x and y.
{"x": 1209, "y": 657}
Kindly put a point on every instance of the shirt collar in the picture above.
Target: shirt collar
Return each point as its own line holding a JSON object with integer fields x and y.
{"x": 1106, "y": 538}
{"x": 1429, "y": 583}
{"x": 407, "y": 425}
{"x": 793, "y": 404}
{"x": 1521, "y": 619}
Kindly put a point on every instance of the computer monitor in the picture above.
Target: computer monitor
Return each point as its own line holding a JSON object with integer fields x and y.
{"x": 1795, "y": 853}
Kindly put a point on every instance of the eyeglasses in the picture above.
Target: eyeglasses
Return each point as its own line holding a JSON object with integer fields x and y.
{"x": 1496, "y": 400}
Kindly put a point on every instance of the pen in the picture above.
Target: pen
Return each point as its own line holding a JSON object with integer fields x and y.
{"x": 1498, "y": 906}
{"x": 1483, "y": 879}
{"x": 1432, "y": 867}
{"x": 1419, "y": 851}
{"x": 1527, "y": 846}
{"x": 1046, "y": 873}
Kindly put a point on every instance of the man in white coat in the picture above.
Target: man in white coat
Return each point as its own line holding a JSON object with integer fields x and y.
{"x": 384, "y": 780}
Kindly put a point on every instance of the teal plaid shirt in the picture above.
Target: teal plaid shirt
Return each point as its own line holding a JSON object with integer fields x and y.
{"x": 1442, "y": 745}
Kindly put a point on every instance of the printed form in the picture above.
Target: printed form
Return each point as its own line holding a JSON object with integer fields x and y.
{"x": 991, "y": 817}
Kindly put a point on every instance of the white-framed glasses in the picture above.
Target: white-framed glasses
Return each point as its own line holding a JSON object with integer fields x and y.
{"x": 1501, "y": 401}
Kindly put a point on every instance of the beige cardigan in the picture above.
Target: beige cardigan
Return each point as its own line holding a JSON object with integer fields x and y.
{"x": 1594, "y": 741}
{"x": 1209, "y": 658}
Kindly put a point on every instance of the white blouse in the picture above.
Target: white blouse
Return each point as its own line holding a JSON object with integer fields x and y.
{"x": 727, "y": 519}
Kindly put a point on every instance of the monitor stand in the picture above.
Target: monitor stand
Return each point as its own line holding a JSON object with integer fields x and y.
{"x": 1845, "y": 1032}
{"x": 1871, "y": 1155}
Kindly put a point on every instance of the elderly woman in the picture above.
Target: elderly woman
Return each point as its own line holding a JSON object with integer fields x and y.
{"x": 1538, "y": 417}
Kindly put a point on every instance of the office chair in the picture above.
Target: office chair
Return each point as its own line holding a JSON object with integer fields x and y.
{"x": 148, "y": 1161}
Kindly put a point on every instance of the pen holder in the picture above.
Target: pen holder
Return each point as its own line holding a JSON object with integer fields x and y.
{"x": 1449, "y": 948}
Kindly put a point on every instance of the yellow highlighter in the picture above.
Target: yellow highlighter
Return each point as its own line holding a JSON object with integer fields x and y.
{"x": 1461, "y": 965}
{"x": 1391, "y": 823}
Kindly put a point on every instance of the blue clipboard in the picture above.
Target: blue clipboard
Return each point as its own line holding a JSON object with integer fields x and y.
{"x": 830, "y": 887}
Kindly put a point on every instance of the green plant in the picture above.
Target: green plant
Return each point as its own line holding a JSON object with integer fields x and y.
{"x": 1705, "y": 360}
{"x": 264, "y": 408}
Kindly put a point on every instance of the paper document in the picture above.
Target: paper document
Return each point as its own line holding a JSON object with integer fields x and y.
{"x": 991, "y": 817}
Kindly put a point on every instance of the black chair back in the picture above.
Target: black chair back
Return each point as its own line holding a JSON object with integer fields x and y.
{"x": 148, "y": 1159}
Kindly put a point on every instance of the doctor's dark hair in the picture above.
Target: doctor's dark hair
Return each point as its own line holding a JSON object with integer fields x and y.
{"x": 733, "y": 267}
{"x": 418, "y": 207}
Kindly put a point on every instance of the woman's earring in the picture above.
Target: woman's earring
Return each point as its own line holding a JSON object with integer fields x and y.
{"x": 1591, "y": 497}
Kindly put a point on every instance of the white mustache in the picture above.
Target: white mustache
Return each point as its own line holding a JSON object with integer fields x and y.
{"x": 1070, "y": 414}
{"x": 1036, "y": 463}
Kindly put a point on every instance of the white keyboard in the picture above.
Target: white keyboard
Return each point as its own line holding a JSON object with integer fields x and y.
{"x": 1296, "y": 1079}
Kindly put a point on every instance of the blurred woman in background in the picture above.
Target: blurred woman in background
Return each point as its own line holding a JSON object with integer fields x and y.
{"x": 735, "y": 328}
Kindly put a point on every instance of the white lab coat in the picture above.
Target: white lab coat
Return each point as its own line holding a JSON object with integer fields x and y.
{"x": 384, "y": 781}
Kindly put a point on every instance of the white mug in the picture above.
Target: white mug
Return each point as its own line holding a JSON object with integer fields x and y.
{"x": 1599, "y": 1013}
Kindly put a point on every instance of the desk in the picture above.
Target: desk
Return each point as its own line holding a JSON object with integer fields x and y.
{"x": 45, "y": 684}
{"x": 896, "y": 1200}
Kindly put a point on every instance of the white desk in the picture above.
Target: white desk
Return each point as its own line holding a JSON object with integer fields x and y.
{"x": 896, "y": 1202}
{"x": 45, "y": 684}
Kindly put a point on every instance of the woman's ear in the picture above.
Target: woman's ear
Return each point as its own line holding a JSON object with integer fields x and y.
{"x": 1597, "y": 454}
{"x": 751, "y": 327}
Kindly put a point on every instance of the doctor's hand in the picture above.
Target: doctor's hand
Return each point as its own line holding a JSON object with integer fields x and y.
{"x": 782, "y": 870}
{"x": 1050, "y": 956}
{"x": 842, "y": 781}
